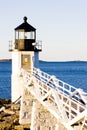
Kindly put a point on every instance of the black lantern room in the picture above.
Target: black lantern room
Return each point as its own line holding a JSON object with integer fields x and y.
{"x": 25, "y": 37}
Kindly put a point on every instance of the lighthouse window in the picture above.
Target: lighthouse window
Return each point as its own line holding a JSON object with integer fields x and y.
{"x": 16, "y": 35}
{"x": 29, "y": 35}
{"x": 32, "y": 35}
{"x": 21, "y": 35}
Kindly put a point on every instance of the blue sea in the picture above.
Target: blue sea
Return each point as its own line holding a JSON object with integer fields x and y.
{"x": 73, "y": 73}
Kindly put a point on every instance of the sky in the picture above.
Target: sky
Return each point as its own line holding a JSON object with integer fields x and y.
{"x": 60, "y": 24}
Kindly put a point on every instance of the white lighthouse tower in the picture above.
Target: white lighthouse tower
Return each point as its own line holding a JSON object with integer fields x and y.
{"x": 25, "y": 54}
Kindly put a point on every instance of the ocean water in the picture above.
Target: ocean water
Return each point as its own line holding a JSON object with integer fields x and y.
{"x": 5, "y": 80}
{"x": 73, "y": 73}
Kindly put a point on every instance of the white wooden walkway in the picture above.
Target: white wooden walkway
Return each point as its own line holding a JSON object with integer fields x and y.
{"x": 62, "y": 100}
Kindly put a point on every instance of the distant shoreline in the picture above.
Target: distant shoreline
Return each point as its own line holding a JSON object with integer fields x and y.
{"x": 64, "y": 61}
{"x": 5, "y": 60}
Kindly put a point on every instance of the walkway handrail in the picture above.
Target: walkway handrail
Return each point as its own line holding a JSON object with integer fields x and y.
{"x": 65, "y": 90}
{"x": 56, "y": 83}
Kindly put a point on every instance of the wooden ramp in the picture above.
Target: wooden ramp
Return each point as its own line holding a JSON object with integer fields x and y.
{"x": 56, "y": 96}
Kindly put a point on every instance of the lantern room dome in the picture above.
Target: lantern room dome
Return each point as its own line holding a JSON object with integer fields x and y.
{"x": 25, "y": 26}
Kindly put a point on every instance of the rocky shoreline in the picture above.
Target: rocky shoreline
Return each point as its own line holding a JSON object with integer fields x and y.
{"x": 9, "y": 116}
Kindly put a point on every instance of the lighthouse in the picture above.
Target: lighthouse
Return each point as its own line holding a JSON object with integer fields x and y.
{"x": 25, "y": 55}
